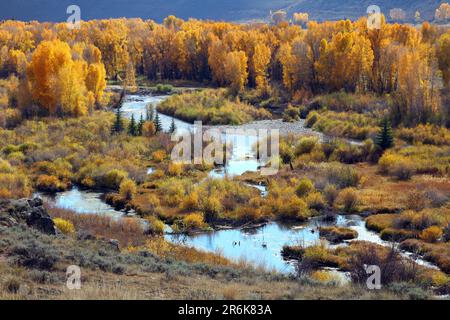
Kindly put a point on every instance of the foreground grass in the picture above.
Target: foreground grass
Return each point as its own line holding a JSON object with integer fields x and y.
{"x": 33, "y": 266}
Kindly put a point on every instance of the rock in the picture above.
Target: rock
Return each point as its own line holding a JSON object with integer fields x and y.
{"x": 85, "y": 236}
{"x": 7, "y": 221}
{"x": 26, "y": 211}
{"x": 115, "y": 244}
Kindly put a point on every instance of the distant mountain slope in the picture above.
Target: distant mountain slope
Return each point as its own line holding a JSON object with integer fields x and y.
{"x": 352, "y": 9}
{"x": 55, "y": 10}
{"x": 229, "y": 10}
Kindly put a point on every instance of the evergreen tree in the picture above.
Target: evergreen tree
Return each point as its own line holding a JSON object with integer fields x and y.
{"x": 385, "y": 137}
{"x": 140, "y": 126}
{"x": 132, "y": 128}
{"x": 118, "y": 123}
{"x": 173, "y": 127}
{"x": 157, "y": 122}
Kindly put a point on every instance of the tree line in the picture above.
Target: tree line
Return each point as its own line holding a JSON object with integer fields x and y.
{"x": 63, "y": 72}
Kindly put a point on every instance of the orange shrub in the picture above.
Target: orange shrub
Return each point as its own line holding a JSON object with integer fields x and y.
{"x": 191, "y": 201}
{"x": 128, "y": 189}
{"x": 175, "y": 169}
{"x": 348, "y": 198}
{"x": 431, "y": 234}
{"x": 159, "y": 155}
{"x": 148, "y": 129}
{"x": 49, "y": 184}
{"x": 193, "y": 221}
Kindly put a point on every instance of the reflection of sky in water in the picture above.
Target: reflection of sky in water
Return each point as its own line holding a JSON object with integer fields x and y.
{"x": 242, "y": 157}
{"x": 82, "y": 202}
{"x": 262, "y": 246}
{"x": 137, "y": 105}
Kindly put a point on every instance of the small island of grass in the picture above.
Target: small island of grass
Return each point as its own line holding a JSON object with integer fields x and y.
{"x": 212, "y": 107}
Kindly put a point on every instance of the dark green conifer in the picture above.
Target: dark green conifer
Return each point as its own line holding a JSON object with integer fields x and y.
{"x": 385, "y": 137}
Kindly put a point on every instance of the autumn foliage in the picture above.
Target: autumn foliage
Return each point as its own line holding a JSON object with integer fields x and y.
{"x": 63, "y": 72}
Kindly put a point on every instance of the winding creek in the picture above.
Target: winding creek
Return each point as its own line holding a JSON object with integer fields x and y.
{"x": 260, "y": 246}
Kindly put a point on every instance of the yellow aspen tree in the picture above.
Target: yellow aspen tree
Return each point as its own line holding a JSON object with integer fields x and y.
{"x": 43, "y": 71}
{"x": 129, "y": 82}
{"x": 217, "y": 53}
{"x": 287, "y": 62}
{"x": 56, "y": 82}
{"x": 96, "y": 81}
{"x": 236, "y": 71}
{"x": 260, "y": 60}
{"x": 443, "y": 55}
{"x": 71, "y": 91}
{"x": 18, "y": 62}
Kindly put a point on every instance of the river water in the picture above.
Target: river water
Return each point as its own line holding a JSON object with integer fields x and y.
{"x": 259, "y": 246}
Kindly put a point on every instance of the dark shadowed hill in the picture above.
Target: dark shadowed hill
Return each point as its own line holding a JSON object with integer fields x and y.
{"x": 229, "y": 10}
{"x": 342, "y": 9}
{"x": 55, "y": 10}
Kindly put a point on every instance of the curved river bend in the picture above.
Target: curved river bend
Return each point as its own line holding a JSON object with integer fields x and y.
{"x": 259, "y": 246}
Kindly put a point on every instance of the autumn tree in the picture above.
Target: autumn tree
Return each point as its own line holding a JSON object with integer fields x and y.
{"x": 236, "y": 71}
{"x": 260, "y": 61}
{"x": 96, "y": 81}
{"x": 301, "y": 18}
{"x": 443, "y": 55}
{"x": 217, "y": 54}
{"x": 417, "y": 95}
{"x": 278, "y": 16}
{"x": 442, "y": 13}
{"x": 57, "y": 83}
{"x": 346, "y": 62}
{"x": 297, "y": 64}
{"x": 129, "y": 81}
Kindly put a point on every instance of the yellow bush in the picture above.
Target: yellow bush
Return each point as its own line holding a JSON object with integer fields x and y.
{"x": 114, "y": 178}
{"x": 159, "y": 155}
{"x": 294, "y": 208}
{"x": 399, "y": 166}
{"x": 386, "y": 162}
{"x": 191, "y": 201}
{"x": 193, "y": 221}
{"x": 348, "y": 198}
{"x": 323, "y": 276}
{"x": 316, "y": 253}
{"x": 128, "y": 189}
{"x": 158, "y": 174}
{"x": 64, "y": 226}
{"x": 431, "y": 234}
{"x": 14, "y": 185}
{"x": 304, "y": 187}
{"x": 175, "y": 169}
{"x": 148, "y": 129}
{"x": 49, "y": 184}
{"x": 156, "y": 226}
{"x": 316, "y": 201}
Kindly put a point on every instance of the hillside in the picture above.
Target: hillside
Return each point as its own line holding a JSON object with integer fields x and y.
{"x": 336, "y": 9}
{"x": 55, "y": 10}
{"x": 229, "y": 10}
